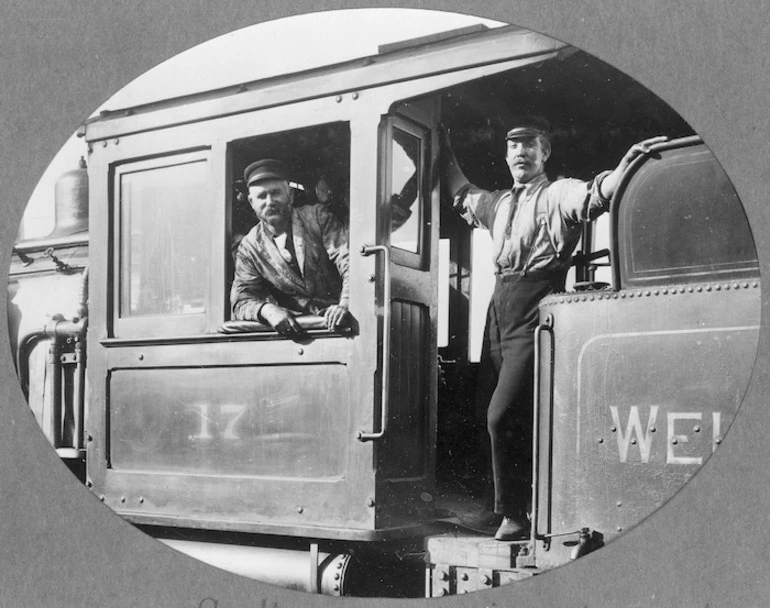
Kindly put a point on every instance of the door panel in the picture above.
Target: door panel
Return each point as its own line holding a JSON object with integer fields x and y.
{"x": 406, "y": 456}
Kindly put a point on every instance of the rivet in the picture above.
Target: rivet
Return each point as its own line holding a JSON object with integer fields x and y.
{"x": 122, "y": 499}
{"x": 90, "y": 438}
{"x": 700, "y": 289}
{"x": 104, "y": 144}
{"x": 141, "y": 356}
{"x": 647, "y": 293}
{"x": 370, "y": 502}
{"x": 708, "y": 288}
{"x": 613, "y": 429}
{"x": 89, "y": 484}
{"x": 485, "y": 580}
{"x": 91, "y": 149}
{"x": 633, "y": 441}
{"x": 653, "y": 429}
{"x": 623, "y": 295}
{"x": 338, "y": 99}
{"x": 372, "y": 278}
{"x": 746, "y": 285}
{"x": 631, "y": 294}
{"x": 117, "y": 141}
{"x": 665, "y": 292}
{"x": 718, "y": 440}
{"x": 656, "y": 292}
{"x": 141, "y": 500}
{"x": 674, "y": 441}
{"x": 339, "y": 565}
{"x": 336, "y": 576}
{"x": 696, "y": 428}
{"x": 619, "y": 528}
{"x": 442, "y": 592}
{"x": 464, "y": 576}
{"x": 336, "y": 587}
{"x": 601, "y": 440}
{"x": 101, "y": 497}
{"x": 300, "y": 510}
{"x": 300, "y": 351}
{"x": 755, "y": 284}
{"x": 443, "y": 576}
{"x": 355, "y": 95}
{"x": 690, "y": 289}
{"x": 619, "y": 503}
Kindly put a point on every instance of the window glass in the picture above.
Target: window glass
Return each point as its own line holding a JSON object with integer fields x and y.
{"x": 164, "y": 261}
{"x": 406, "y": 206}
{"x": 682, "y": 221}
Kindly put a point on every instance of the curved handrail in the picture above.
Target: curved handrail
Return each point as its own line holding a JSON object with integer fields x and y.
{"x": 547, "y": 325}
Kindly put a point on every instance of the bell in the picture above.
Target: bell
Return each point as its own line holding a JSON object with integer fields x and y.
{"x": 71, "y": 202}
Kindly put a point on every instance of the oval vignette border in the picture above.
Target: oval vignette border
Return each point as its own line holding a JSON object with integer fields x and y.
{"x": 706, "y": 60}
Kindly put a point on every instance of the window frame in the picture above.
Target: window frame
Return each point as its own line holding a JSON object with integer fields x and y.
{"x": 400, "y": 256}
{"x": 167, "y": 325}
{"x": 687, "y": 151}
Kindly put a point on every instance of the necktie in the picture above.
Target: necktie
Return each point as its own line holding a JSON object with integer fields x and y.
{"x": 516, "y": 190}
{"x": 502, "y": 251}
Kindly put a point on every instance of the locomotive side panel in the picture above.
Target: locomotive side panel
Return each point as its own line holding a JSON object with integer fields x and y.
{"x": 640, "y": 383}
{"x": 644, "y": 389}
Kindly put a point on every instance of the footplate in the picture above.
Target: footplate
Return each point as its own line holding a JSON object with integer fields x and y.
{"x": 461, "y": 564}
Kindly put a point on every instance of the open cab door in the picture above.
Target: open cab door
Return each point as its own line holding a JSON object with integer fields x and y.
{"x": 407, "y": 282}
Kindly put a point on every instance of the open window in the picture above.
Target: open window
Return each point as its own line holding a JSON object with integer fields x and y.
{"x": 318, "y": 158}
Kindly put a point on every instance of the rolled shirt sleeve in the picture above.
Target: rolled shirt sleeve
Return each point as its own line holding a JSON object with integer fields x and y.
{"x": 546, "y": 224}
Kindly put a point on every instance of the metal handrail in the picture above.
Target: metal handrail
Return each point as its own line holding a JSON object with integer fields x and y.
{"x": 368, "y": 250}
{"x": 547, "y": 325}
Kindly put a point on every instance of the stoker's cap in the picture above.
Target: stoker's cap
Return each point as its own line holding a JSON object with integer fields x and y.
{"x": 527, "y": 126}
{"x": 267, "y": 168}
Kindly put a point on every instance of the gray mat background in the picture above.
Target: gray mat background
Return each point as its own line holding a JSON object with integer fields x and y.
{"x": 59, "y": 546}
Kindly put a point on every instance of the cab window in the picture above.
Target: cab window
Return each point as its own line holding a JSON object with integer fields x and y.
{"x": 163, "y": 256}
{"x": 406, "y": 192}
{"x": 318, "y": 160}
{"x": 681, "y": 222}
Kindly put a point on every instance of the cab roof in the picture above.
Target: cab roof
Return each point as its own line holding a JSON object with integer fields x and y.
{"x": 417, "y": 58}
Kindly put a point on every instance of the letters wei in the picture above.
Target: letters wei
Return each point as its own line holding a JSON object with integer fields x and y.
{"x": 634, "y": 432}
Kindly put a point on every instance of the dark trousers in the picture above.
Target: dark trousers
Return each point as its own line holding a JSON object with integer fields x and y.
{"x": 505, "y": 382}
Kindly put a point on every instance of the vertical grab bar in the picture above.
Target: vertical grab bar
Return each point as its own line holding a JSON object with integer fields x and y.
{"x": 545, "y": 326}
{"x": 368, "y": 250}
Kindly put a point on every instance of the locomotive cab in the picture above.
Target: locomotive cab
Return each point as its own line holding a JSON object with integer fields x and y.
{"x": 335, "y": 462}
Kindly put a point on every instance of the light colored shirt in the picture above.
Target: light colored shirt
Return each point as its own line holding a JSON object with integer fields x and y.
{"x": 535, "y": 229}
